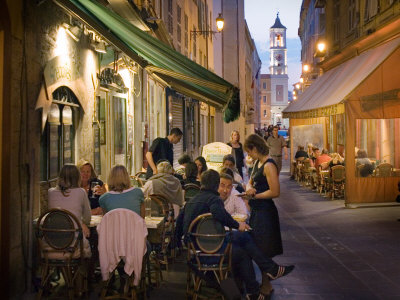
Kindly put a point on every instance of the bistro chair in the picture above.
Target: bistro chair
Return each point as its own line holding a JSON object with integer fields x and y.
{"x": 141, "y": 176}
{"x": 191, "y": 190}
{"x": 123, "y": 250}
{"x": 384, "y": 170}
{"x": 163, "y": 238}
{"x": 60, "y": 242}
{"x": 209, "y": 251}
{"x": 338, "y": 176}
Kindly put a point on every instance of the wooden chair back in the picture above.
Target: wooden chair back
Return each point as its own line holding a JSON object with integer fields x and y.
{"x": 338, "y": 173}
{"x": 384, "y": 170}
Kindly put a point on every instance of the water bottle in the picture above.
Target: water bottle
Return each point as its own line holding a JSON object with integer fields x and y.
{"x": 147, "y": 206}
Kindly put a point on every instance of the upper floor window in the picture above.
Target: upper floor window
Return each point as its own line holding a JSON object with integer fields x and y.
{"x": 186, "y": 32}
{"x": 265, "y": 99}
{"x": 371, "y": 9}
{"x": 264, "y": 85}
{"x": 170, "y": 18}
{"x": 352, "y": 14}
{"x": 178, "y": 24}
{"x": 336, "y": 22}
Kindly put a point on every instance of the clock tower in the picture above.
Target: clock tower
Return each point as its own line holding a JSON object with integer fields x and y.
{"x": 277, "y": 37}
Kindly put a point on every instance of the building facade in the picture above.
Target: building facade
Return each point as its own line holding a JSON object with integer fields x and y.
{"x": 265, "y": 101}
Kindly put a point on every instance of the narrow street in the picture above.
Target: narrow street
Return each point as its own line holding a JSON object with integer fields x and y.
{"x": 339, "y": 253}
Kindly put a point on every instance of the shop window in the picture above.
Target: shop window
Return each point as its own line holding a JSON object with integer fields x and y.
{"x": 377, "y": 147}
{"x": 58, "y": 138}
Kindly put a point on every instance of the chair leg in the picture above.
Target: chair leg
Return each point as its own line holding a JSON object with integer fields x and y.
{"x": 45, "y": 274}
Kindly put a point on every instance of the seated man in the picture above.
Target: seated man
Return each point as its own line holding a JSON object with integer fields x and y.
{"x": 244, "y": 250}
{"x": 165, "y": 184}
{"x": 232, "y": 203}
{"x": 229, "y": 162}
{"x": 300, "y": 153}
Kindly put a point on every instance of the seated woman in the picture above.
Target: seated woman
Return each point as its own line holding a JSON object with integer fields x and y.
{"x": 165, "y": 184}
{"x": 121, "y": 194}
{"x": 69, "y": 196}
{"x": 191, "y": 173}
{"x": 182, "y": 161}
{"x": 200, "y": 161}
{"x": 336, "y": 160}
{"x": 88, "y": 176}
{"x": 362, "y": 159}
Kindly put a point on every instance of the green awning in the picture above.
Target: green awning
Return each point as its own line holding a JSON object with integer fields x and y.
{"x": 181, "y": 73}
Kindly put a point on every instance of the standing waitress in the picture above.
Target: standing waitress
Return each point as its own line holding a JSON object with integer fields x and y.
{"x": 237, "y": 151}
{"x": 263, "y": 186}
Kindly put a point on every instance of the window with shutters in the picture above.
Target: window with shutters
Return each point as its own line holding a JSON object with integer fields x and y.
{"x": 352, "y": 15}
{"x": 336, "y": 21}
{"x": 170, "y": 18}
{"x": 178, "y": 23}
{"x": 58, "y": 139}
{"x": 186, "y": 33}
{"x": 265, "y": 99}
{"x": 194, "y": 45}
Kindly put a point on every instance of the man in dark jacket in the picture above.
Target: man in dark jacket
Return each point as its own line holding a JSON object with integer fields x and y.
{"x": 244, "y": 250}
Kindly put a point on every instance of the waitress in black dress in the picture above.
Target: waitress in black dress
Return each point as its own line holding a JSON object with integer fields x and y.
{"x": 263, "y": 186}
{"x": 237, "y": 151}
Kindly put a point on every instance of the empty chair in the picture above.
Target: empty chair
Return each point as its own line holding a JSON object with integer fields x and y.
{"x": 384, "y": 170}
{"x": 209, "y": 250}
{"x": 122, "y": 242}
{"x": 60, "y": 242}
{"x": 338, "y": 176}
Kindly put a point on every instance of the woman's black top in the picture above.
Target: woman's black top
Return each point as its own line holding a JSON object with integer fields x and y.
{"x": 239, "y": 157}
{"x": 94, "y": 199}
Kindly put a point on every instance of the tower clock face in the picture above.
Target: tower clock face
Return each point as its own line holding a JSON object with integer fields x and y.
{"x": 278, "y": 57}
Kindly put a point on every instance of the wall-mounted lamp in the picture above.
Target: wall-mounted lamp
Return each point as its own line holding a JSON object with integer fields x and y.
{"x": 220, "y": 26}
{"x": 100, "y": 47}
{"x": 320, "y": 49}
{"x": 297, "y": 85}
{"x": 306, "y": 68}
{"x": 74, "y": 32}
{"x": 301, "y": 79}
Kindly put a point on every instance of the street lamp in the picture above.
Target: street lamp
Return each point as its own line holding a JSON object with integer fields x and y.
{"x": 306, "y": 68}
{"x": 320, "y": 49}
{"x": 220, "y": 26}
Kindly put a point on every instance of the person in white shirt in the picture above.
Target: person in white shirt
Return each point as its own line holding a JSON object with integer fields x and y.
{"x": 232, "y": 203}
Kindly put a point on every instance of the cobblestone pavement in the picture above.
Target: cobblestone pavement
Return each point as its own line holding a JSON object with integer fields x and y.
{"x": 339, "y": 253}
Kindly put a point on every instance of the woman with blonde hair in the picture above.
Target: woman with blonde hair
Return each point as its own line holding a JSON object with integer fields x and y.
{"x": 336, "y": 160}
{"x": 121, "y": 194}
{"x": 70, "y": 196}
{"x": 93, "y": 186}
{"x": 237, "y": 151}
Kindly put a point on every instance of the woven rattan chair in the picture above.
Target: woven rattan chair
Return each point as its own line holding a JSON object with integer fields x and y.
{"x": 191, "y": 190}
{"x": 338, "y": 176}
{"x": 209, "y": 250}
{"x": 60, "y": 242}
{"x": 141, "y": 176}
{"x": 384, "y": 170}
{"x": 120, "y": 239}
{"x": 163, "y": 238}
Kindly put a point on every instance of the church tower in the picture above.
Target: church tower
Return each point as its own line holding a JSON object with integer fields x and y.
{"x": 279, "y": 72}
{"x": 278, "y": 59}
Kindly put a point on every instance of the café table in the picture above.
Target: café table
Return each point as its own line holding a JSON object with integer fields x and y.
{"x": 151, "y": 222}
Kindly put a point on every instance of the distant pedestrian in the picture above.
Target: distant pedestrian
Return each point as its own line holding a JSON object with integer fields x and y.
{"x": 275, "y": 144}
{"x": 237, "y": 151}
{"x": 162, "y": 148}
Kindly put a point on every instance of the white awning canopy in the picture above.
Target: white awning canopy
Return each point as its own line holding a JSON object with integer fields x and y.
{"x": 336, "y": 84}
